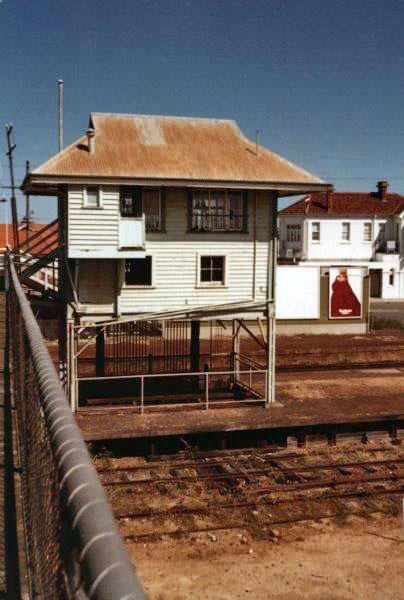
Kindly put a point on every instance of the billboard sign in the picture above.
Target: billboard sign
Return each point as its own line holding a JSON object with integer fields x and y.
{"x": 345, "y": 293}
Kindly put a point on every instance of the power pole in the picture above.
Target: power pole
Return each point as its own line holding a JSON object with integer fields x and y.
{"x": 27, "y": 207}
{"x": 10, "y": 149}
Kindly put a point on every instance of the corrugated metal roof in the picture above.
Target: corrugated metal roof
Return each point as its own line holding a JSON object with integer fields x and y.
{"x": 172, "y": 148}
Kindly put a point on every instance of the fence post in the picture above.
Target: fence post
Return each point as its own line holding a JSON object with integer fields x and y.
{"x": 206, "y": 390}
{"x": 141, "y": 394}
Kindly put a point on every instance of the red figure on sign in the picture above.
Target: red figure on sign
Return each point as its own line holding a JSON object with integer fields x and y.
{"x": 344, "y": 303}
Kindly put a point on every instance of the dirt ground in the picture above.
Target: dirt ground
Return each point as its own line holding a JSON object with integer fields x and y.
{"x": 354, "y": 560}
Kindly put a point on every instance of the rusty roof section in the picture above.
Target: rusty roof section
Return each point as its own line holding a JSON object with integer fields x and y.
{"x": 171, "y": 148}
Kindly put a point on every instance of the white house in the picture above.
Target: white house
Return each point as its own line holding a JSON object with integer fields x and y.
{"x": 166, "y": 218}
{"x": 349, "y": 228}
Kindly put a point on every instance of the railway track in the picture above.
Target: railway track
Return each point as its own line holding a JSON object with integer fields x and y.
{"x": 347, "y": 366}
{"x": 251, "y": 490}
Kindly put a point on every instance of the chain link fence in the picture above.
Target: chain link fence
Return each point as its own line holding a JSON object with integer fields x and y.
{"x": 73, "y": 546}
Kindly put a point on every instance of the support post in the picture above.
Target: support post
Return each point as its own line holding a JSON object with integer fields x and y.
{"x": 71, "y": 371}
{"x": 206, "y": 390}
{"x": 271, "y": 290}
{"x": 100, "y": 352}
{"x": 141, "y": 394}
{"x": 10, "y": 149}
{"x": 235, "y": 349}
{"x": 195, "y": 345}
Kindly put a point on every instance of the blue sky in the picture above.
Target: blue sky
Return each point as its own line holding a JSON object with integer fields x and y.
{"x": 322, "y": 80}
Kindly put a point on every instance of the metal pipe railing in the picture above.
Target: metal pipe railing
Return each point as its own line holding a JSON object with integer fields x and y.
{"x": 93, "y": 558}
{"x": 206, "y": 376}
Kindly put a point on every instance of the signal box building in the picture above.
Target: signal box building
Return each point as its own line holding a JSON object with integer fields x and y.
{"x": 166, "y": 255}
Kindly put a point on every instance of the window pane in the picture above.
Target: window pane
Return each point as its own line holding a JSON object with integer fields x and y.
{"x": 293, "y": 233}
{"x": 151, "y": 206}
{"x": 212, "y": 269}
{"x": 367, "y": 232}
{"x": 92, "y": 196}
{"x": 217, "y": 210}
{"x": 217, "y": 262}
{"x": 205, "y": 262}
{"x": 345, "y": 231}
{"x": 315, "y": 231}
{"x": 130, "y": 202}
{"x": 138, "y": 271}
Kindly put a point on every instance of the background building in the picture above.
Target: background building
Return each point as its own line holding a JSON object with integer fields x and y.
{"x": 348, "y": 228}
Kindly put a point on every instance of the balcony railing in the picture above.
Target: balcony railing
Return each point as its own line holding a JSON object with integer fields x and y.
{"x": 387, "y": 246}
{"x": 132, "y": 232}
{"x": 204, "y": 221}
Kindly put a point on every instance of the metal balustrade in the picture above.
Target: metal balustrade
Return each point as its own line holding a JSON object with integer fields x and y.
{"x": 73, "y": 546}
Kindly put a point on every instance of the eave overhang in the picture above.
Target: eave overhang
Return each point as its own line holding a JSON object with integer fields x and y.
{"x": 48, "y": 185}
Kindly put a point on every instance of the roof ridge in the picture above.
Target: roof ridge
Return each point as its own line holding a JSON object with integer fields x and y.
{"x": 178, "y": 117}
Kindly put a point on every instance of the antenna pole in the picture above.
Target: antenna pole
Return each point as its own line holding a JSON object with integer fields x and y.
{"x": 10, "y": 149}
{"x": 61, "y": 83}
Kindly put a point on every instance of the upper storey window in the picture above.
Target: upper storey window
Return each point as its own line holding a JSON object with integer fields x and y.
{"x": 315, "y": 231}
{"x": 91, "y": 196}
{"x": 346, "y": 232}
{"x": 216, "y": 210}
{"x": 293, "y": 233}
{"x": 135, "y": 201}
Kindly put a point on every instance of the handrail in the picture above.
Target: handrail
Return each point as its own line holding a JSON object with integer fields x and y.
{"x": 105, "y": 570}
{"x": 160, "y": 375}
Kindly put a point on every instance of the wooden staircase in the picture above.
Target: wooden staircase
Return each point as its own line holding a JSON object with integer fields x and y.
{"x": 38, "y": 260}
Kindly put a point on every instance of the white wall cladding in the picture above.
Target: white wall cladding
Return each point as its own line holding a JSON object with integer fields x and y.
{"x": 297, "y": 292}
{"x": 331, "y": 244}
{"x": 93, "y": 228}
{"x": 175, "y": 256}
{"x": 176, "y": 252}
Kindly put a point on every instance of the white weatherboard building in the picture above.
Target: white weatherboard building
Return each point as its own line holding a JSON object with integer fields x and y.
{"x": 349, "y": 228}
{"x": 167, "y": 219}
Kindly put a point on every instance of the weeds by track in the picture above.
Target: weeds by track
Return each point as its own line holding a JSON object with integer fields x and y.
{"x": 250, "y": 489}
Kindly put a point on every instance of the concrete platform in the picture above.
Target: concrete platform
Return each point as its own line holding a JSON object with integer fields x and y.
{"x": 308, "y": 400}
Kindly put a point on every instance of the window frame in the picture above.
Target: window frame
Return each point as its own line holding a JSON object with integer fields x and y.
{"x": 211, "y": 284}
{"x": 137, "y": 194}
{"x": 392, "y": 277}
{"x": 370, "y": 224}
{"x": 313, "y": 239}
{"x": 209, "y": 191}
{"x": 348, "y": 239}
{"x": 85, "y": 197}
{"x": 140, "y": 286}
{"x": 295, "y": 228}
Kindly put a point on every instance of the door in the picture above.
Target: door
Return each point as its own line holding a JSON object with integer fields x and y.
{"x": 375, "y": 283}
{"x": 97, "y": 281}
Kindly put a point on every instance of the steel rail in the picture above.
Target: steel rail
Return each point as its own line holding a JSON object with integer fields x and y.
{"x": 271, "y": 462}
{"x": 177, "y": 533}
{"x": 105, "y": 569}
{"x": 264, "y": 502}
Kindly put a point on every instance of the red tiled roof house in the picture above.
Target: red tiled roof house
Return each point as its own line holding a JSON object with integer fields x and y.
{"x": 348, "y": 228}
